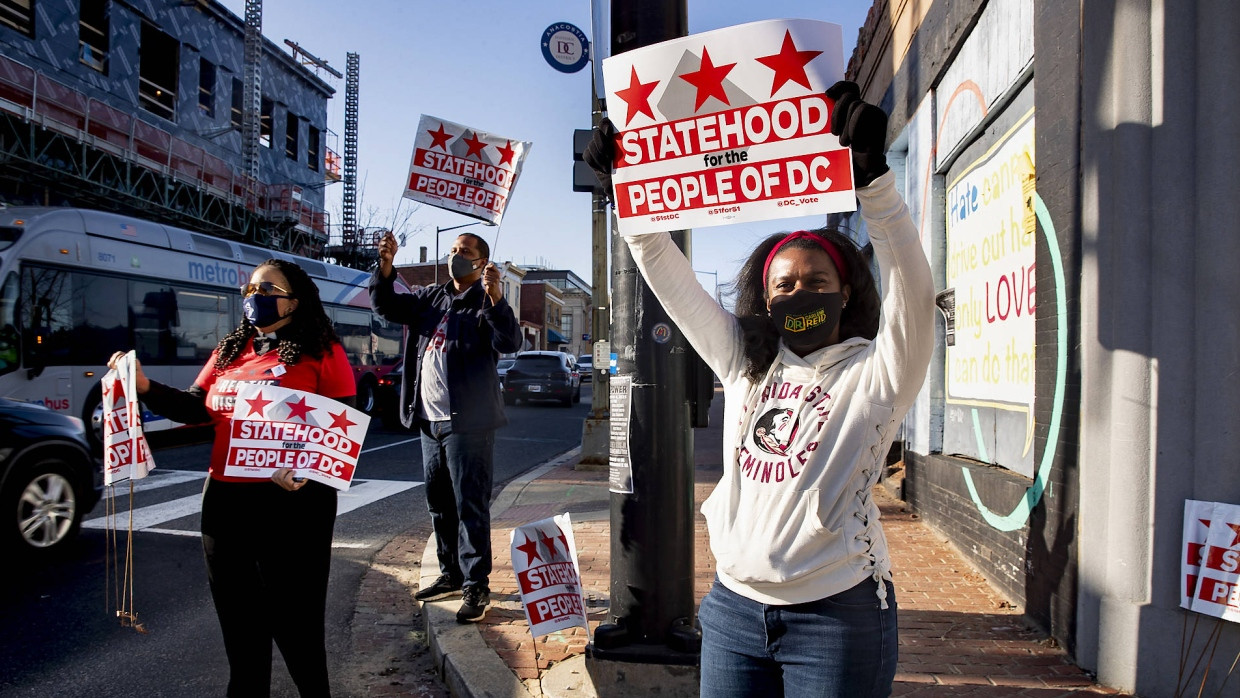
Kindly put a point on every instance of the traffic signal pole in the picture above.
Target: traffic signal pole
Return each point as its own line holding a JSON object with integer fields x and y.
{"x": 652, "y": 531}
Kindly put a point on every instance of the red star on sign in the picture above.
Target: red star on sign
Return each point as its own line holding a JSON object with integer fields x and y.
{"x": 789, "y": 64}
{"x": 549, "y": 542}
{"x": 119, "y": 391}
{"x": 530, "y": 548}
{"x": 257, "y": 405}
{"x": 440, "y": 138}
{"x": 1235, "y": 528}
{"x": 708, "y": 79}
{"x": 637, "y": 97}
{"x": 341, "y": 421}
{"x": 475, "y": 145}
{"x": 299, "y": 409}
{"x": 564, "y": 541}
{"x": 507, "y": 153}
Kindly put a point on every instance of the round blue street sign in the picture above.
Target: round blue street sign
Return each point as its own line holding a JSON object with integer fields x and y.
{"x": 565, "y": 47}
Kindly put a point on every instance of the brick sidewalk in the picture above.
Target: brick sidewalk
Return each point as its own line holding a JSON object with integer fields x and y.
{"x": 958, "y": 637}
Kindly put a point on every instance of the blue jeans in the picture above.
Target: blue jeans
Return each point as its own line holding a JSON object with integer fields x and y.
{"x": 458, "y": 470}
{"x": 843, "y": 645}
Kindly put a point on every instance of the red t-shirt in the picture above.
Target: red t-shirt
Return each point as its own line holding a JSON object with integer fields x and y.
{"x": 329, "y": 376}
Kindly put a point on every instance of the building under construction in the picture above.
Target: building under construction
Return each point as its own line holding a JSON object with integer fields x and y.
{"x": 140, "y": 107}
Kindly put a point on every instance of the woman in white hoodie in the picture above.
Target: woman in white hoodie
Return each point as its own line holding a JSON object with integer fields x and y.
{"x": 815, "y": 386}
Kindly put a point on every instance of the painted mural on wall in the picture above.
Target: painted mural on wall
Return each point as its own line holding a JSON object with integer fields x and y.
{"x": 990, "y": 265}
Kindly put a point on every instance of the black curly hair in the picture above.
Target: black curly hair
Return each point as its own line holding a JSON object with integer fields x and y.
{"x": 759, "y": 335}
{"x": 310, "y": 332}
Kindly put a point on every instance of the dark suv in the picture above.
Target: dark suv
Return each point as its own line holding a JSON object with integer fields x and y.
{"x": 48, "y": 479}
{"x": 543, "y": 375}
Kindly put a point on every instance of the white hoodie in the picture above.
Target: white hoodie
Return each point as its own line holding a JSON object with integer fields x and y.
{"x": 792, "y": 519}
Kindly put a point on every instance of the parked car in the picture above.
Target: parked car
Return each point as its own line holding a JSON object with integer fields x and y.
{"x": 585, "y": 364}
{"x": 543, "y": 375}
{"x": 501, "y": 369}
{"x": 48, "y": 480}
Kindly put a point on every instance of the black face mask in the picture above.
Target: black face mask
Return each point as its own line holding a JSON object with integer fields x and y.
{"x": 805, "y": 319}
{"x": 459, "y": 267}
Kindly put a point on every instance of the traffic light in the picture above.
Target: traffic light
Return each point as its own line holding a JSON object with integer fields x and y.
{"x": 583, "y": 177}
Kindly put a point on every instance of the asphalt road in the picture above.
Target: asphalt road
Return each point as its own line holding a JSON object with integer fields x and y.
{"x": 58, "y": 631}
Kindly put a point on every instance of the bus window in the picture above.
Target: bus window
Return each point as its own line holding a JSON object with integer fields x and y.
{"x": 153, "y": 310}
{"x": 204, "y": 317}
{"x": 387, "y": 337}
{"x": 353, "y": 326}
{"x": 72, "y": 318}
{"x": 9, "y": 338}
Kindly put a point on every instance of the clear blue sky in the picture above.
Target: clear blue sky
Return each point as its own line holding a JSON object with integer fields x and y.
{"x": 479, "y": 63}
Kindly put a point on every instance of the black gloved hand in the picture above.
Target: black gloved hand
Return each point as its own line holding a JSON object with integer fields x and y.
{"x": 600, "y": 153}
{"x": 861, "y": 126}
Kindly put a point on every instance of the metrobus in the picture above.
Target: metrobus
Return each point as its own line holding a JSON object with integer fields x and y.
{"x": 78, "y": 284}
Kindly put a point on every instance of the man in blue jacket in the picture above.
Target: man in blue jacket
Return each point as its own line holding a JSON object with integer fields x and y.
{"x": 450, "y": 391}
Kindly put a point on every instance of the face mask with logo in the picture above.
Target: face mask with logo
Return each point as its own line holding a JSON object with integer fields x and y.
{"x": 805, "y": 319}
{"x": 262, "y": 311}
{"x": 459, "y": 267}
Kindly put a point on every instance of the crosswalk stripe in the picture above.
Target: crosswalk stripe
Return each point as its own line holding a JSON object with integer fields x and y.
{"x": 148, "y": 518}
{"x": 160, "y": 478}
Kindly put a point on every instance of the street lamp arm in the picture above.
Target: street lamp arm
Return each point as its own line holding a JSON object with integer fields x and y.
{"x": 439, "y": 230}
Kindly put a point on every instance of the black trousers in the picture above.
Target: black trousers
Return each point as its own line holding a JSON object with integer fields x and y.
{"x": 268, "y": 555}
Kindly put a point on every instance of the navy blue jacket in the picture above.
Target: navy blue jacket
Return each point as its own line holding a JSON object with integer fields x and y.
{"x": 478, "y": 332}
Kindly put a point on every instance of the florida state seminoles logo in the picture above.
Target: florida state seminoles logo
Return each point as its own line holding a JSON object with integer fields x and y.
{"x": 774, "y": 430}
{"x": 800, "y": 323}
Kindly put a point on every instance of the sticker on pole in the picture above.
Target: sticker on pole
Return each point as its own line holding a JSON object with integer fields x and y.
{"x": 126, "y": 454}
{"x": 274, "y": 428}
{"x": 544, "y": 560}
{"x": 565, "y": 47}
{"x": 728, "y": 126}
{"x": 462, "y": 169}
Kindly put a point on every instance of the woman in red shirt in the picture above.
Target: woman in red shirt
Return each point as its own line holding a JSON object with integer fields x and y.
{"x": 267, "y": 542}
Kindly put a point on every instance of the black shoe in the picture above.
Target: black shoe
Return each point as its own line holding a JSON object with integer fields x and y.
{"x": 442, "y": 588}
{"x": 474, "y": 606}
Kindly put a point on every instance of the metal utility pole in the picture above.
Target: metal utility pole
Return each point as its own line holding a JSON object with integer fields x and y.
{"x": 251, "y": 86}
{"x": 651, "y": 616}
{"x": 348, "y": 198}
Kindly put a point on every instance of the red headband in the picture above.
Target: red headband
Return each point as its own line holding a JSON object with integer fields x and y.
{"x": 824, "y": 243}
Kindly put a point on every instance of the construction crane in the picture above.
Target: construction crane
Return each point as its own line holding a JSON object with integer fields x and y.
{"x": 356, "y": 248}
{"x": 251, "y": 103}
{"x": 348, "y": 201}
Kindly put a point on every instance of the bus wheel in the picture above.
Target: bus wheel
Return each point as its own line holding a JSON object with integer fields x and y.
{"x": 367, "y": 396}
{"x": 92, "y": 415}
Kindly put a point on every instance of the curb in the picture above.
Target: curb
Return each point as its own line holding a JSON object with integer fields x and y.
{"x": 468, "y": 666}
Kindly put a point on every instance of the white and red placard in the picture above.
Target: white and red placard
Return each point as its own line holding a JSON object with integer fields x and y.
{"x": 274, "y": 428}
{"x": 728, "y": 126}
{"x": 1210, "y": 562}
{"x": 126, "y": 455}
{"x": 544, "y": 559}
{"x": 462, "y": 169}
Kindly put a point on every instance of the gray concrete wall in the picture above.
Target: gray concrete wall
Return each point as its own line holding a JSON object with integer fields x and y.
{"x": 1160, "y": 341}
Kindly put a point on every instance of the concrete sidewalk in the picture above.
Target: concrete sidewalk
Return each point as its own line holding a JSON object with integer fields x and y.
{"x": 958, "y": 636}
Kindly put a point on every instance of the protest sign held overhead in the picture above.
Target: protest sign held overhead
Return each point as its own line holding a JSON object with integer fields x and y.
{"x": 728, "y": 126}
{"x": 544, "y": 559}
{"x": 462, "y": 169}
{"x": 126, "y": 454}
{"x": 274, "y": 428}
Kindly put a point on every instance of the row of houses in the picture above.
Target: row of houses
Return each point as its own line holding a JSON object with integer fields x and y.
{"x": 553, "y": 304}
